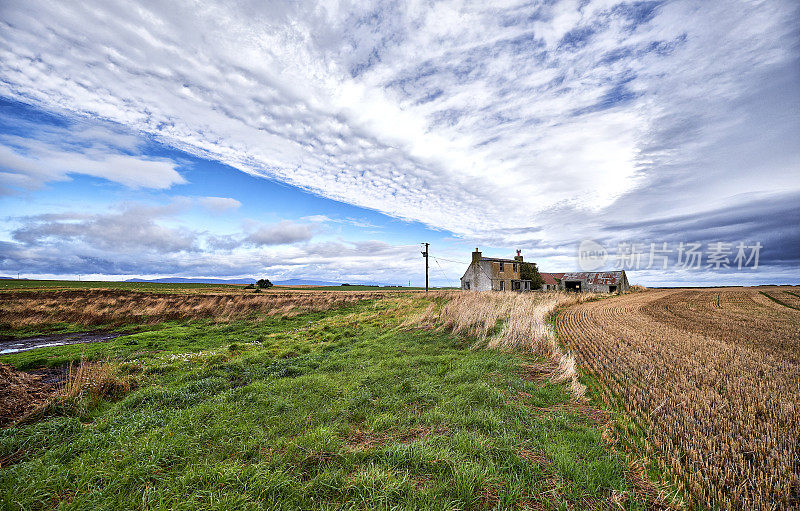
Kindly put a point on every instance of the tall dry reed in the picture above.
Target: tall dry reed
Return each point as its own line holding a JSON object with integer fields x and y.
{"x": 91, "y": 381}
{"x": 115, "y": 307}
{"x": 508, "y": 320}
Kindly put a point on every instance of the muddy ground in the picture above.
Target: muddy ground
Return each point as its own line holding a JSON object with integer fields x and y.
{"x": 11, "y": 345}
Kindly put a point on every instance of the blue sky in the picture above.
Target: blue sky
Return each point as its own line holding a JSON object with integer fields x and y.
{"x": 326, "y": 140}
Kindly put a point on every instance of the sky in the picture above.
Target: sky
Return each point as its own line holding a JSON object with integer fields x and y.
{"x": 327, "y": 140}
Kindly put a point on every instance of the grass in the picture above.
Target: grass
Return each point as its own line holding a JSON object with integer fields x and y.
{"x": 337, "y": 409}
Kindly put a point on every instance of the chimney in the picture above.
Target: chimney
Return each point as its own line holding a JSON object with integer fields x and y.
{"x": 518, "y": 257}
{"x": 476, "y": 256}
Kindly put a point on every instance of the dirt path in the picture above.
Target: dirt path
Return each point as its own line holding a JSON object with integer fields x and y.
{"x": 44, "y": 341}
{"x": 710, "y": 374}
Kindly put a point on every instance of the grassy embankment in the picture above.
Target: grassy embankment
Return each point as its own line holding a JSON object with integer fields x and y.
{"x": 350, "y": 407}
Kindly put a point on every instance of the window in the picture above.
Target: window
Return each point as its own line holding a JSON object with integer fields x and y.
{"x": 502, "y": 284}
{"x": 466, "y": 284}
{"x": 502, "y": 266}
{"x": 514, "y": 268}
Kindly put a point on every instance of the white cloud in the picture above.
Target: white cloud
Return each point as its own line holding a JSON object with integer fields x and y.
{"x": 281, "y": 233}
{"x": 136, "y": 239}
{"x": 463, "y": 116}
{"x": 53, "y": 153}
{"x": 219, "y": 204}
{"x": 133, "y": 230}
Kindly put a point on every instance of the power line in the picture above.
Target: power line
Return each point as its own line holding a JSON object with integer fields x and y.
{"x": 460, "y": 262}
{"x": 451, "y": 261}
{"x": 442, "y": 270}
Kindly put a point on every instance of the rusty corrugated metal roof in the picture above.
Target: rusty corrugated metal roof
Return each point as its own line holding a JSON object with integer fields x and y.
{"x": 595, "y": 277}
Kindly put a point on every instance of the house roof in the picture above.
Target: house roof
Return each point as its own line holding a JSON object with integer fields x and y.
{"x": 500, "y": 260}
{"x": 550, "y": 278}
{"x": 596, "y": 277}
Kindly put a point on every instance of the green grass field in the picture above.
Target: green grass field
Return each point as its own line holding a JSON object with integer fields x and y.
{"x": 343, "y": 409}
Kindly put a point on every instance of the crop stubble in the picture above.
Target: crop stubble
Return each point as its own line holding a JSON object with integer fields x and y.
{"x": 712, "y": 376}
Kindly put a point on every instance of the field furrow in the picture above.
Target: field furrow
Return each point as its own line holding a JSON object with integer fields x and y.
{"x": 712, "y": 377}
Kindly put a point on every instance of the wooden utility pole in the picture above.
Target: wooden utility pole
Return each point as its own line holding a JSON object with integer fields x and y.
{"x": 425, "y": 255}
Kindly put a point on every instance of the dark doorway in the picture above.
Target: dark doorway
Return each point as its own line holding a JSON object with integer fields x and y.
{"x": 612, "y": 289}
{"x": 573, "y": 285}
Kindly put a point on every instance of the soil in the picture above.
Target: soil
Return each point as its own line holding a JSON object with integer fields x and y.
{"x": 24, "y": 392}
{"x": 10, "y": 345}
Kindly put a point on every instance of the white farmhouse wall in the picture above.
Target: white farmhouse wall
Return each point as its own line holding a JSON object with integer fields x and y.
{"x": 478, "y": 275}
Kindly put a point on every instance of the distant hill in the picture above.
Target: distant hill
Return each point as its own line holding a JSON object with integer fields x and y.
{"x": 178, "y": 280}
{"x": 304, "y": 282}
{"x": 289, "y": 282}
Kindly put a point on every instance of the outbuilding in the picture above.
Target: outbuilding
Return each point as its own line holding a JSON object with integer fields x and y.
{"x": 595, "y": 282}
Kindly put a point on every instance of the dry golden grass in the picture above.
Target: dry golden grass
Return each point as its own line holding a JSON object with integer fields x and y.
{"x": 114, "y": 307}
{"x": 508, "y": 320}
{"x": 25, "y": 396}
{"x": 712, "y": 376}
{"x": 91, "y": 381}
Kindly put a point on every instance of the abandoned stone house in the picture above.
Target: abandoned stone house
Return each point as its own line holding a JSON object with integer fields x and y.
{"x": 496, "y": 274}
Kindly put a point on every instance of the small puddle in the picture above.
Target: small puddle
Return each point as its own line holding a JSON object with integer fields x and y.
{"x": 44, "y": 341}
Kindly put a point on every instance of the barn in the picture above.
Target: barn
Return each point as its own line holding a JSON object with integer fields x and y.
{"x": 551, "y": 281}
{"x": 595, "y": 281}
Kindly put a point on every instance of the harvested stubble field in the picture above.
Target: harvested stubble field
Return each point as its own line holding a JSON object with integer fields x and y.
{"x": 709, "y": 380}
{"x": 390, "y": 402}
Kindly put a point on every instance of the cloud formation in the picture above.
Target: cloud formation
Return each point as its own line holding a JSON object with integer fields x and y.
{"x": 526, "y": 124}
{"x": 32, "y": 154}
{"x": 463, "y": 116}
{"x": 219, "y": 204}
{"x": 134, "y": 229}
{"x": 144, "y": 240}
{"x": 282, "y": 233}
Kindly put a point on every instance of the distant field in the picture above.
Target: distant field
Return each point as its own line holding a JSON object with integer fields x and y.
{"x": 153, "y": 287}
{"x": 353, "y": 288}
{"x": 156, "y": 287}
{"x": 322, "y": 400}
